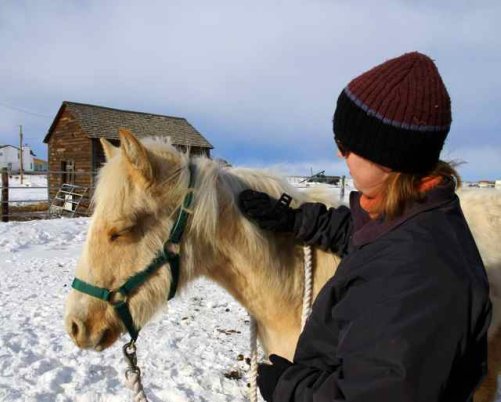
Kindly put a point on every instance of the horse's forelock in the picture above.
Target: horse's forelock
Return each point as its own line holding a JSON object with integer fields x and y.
{"x": 112, "y": 186}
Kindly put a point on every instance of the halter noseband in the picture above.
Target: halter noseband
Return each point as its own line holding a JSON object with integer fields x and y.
{"x": 118, "y": 297}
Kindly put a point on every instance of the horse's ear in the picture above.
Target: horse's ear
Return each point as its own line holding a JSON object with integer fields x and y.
{"x": 136, "y": 154}
{"x": 109, "y": 149}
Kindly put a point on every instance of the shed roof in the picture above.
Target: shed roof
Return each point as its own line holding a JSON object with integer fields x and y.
{"x": 104, "y": 122}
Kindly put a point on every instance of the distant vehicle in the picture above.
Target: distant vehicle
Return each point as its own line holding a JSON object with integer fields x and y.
{"x": 321, "y": 177}
{"x": 485, "y": 184}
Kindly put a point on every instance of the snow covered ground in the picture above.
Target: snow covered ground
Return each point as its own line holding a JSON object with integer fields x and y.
{"x": 184, "y": 354}
{"x": 34, "y": 187}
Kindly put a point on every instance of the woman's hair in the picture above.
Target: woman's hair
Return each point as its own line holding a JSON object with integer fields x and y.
{"x": 404, "y": 188}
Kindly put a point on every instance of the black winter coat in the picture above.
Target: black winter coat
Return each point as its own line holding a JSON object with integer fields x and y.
{"x": 404, "y": 318}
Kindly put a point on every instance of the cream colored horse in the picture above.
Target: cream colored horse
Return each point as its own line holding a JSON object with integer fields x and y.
{"x": 139, "y": 190}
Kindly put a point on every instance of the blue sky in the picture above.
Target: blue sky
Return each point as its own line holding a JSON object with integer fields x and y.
{"x": 258, "y": 78}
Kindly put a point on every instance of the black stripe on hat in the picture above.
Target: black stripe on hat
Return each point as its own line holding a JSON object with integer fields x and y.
{"x": 401, "y": 147}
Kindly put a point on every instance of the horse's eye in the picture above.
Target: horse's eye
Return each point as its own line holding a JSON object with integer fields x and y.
{"x": 114, "y": 236}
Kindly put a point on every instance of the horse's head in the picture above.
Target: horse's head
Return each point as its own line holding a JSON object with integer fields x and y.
{"x": 139, "y": 189}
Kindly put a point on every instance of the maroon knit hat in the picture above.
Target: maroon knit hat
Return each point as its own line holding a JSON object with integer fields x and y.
{"x": 397, "y": 114}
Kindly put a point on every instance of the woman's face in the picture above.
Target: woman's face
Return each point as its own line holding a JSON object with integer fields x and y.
{"x": 368, "y": 177}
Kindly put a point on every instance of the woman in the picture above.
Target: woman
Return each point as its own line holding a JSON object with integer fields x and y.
{"x": 405, "y": 317}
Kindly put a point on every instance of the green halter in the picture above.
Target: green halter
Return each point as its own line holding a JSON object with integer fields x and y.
{"x": 118, "y": 297}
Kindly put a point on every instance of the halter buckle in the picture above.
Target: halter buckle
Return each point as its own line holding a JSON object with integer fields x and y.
{"x": 117, "y": 297}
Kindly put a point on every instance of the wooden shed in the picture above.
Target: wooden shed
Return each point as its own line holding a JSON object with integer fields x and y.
{"x": 75, "y": 150}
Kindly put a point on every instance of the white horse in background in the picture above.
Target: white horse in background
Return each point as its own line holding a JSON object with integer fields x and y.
{"x": 139, "y": 190}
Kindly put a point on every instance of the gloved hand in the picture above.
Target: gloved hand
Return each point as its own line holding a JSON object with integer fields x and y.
{"x": 269, "y": 374}
{"x": 266, "y": 212}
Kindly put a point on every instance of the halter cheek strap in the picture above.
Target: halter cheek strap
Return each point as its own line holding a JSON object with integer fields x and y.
{"x": 118, "y": 298}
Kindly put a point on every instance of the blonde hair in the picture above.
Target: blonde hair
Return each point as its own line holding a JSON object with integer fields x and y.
{"x": 404, "y": 188}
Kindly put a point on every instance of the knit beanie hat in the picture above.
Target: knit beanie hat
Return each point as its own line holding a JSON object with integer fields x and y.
{"x": 397, "y": 114}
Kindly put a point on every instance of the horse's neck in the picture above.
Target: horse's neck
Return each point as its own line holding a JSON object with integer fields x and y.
{"x": 266, "y": 280}
{"x": 264, "y": 274}
{"x": 266, "y": 285}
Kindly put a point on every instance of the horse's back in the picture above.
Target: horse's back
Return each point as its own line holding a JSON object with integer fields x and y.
{"x": 482, "y": 209}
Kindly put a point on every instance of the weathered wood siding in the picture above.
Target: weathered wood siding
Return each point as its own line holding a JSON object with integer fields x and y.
{"x": 98, "y": 157}
{"x": 69, "y": 143}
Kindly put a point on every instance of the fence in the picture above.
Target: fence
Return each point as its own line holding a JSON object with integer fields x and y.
{"x": 319, "y": 179}
{"x": 41, "y": 195}
{"x": 48, "y": 198}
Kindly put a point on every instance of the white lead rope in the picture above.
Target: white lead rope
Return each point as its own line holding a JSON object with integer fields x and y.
{"x": 133, "y": 382}
{"x": 308, "y": 285}
{"x": 307, "y": 298}
{"x": 253, "y": 361}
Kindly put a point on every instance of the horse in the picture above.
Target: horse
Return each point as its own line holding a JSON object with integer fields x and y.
{"x": 140, "y": 190}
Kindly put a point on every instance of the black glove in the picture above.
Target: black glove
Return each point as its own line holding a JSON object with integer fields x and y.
{"x": 266, "y": 212}
{"x": 268, "y": 375}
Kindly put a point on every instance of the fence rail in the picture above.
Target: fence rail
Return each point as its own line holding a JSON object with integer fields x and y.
{"x": 34, "y": 201}
{"x": 17, "y": 203}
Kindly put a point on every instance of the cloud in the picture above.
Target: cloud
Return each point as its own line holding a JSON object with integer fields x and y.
{"x": 249, "y": 75}
{"x": 477, "y": 163}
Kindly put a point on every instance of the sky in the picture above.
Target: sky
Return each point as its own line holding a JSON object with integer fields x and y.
{"x": 259, "y": 79}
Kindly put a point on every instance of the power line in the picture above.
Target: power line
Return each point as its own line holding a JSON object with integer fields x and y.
{"x": 22, "y": 110}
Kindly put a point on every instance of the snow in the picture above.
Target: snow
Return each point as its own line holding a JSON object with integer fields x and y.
{"x": 184, "y": 353}
{"x": 34, "y": 188}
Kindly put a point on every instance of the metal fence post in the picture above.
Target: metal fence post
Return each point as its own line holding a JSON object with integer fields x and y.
{"x": 5, "y": 195}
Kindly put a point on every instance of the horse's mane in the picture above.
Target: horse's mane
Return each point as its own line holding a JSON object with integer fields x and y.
{"x": 218, "y": 187}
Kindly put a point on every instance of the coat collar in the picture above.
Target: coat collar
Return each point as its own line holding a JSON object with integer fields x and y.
{"x": 367, "y": 230}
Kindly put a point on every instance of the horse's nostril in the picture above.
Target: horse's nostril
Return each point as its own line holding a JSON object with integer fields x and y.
{"x": 104, "y": 340}
{"x": 74, "y": 329}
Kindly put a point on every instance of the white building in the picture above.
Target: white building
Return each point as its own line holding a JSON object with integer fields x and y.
{"x": 497, "y": 184}
{"x": 10, "y": 158}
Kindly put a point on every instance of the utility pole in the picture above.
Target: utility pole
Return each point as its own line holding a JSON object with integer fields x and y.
{"x": 21, "y": 152}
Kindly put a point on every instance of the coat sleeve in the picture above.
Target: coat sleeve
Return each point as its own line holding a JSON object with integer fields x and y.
{"x": 396, "y": 341}
{"x": 330, "y": 229}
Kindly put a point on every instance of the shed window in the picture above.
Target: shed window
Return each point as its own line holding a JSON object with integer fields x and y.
{"x": 68, "y": 172}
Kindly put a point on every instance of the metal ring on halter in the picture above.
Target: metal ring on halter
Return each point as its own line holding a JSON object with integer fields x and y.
{"x": 116, "y": 297}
